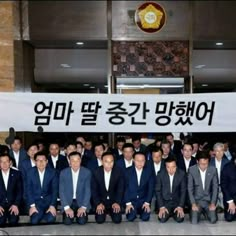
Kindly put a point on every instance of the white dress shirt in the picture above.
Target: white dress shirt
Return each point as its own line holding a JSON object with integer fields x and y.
{"x": 128, "y": 163}
{"x": 32, "y": 163}
{"x": 99, "y": 162}
{"x": 171, "y": 181}
{"x": 17, "y": 157}
{"x": 187, "y": 163}
{"x": 120, "y": 152}
{"x": 41, "y": 177}
{"x": 75, "y": 176}
{"x": 107, "y": 176}
{"x": 139, "y": 173}
{"x": 5, "y": 176}
{"x": 203, "y": 177}
{"x": 54, "y": 160}
{"x": 157, "y": 167}
{"x": 218, "y": 167}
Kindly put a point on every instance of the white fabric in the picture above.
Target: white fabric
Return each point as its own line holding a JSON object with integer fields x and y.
{"x": 187, "y": 163}
{"x": 139, "y": 173}
{"x": 171, "y": 182}
{"x": 128, "y": 163}
{"x": 107, "y": 176}
{"x": 41, "y": 177}
{"x": 75, "y": 176}
{"x": 54, "y": 160}
{"x": 157, "y": 167}
{"x": 17, "y": 157}
{"x": 5, "y": 178}
{"x": 203, "y": 177}
{"x": 218, "y": 167}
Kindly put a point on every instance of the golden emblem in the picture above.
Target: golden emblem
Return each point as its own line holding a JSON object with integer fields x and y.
{"x": 150, "y": 17}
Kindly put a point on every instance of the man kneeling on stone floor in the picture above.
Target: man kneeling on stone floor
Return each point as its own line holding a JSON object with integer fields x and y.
{"x": 75, "y": 191}
{"x": 139, "y": 189}
{"x": 107, "y": 188}
{"x": 203, "y": 189}
{"x": 171, "y": 189}
{"x": 41, "y": 191}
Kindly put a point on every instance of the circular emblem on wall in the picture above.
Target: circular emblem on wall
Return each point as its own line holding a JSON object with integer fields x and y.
{"x": 150, "y": 17}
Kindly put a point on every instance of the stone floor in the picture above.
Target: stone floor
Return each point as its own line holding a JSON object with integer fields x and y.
{"x": 152, "y": 227}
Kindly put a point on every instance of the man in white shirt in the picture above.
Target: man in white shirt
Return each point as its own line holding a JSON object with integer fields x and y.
{"x": 107, "y": 200}
{"x": 171, "y": 190}
{"x": 41, "y": 190}
{"x": 203, "y": 189}
{"x": 75, "y": 191}
{"x": 11, "y": 191}
{"x": 219, "y": 161}
{"x": 139, "y": 189}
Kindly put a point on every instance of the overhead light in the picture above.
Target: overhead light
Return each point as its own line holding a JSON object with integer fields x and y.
{"x": 92, "y": 87}
{"x": 204, "y": 85}
{"x": 86, "y": 85}
{"x": 219, "y": 44}
{"x": 80, "y": 43}
{"x": 65, "y": 65}
{"x": 199, "y": 66}
{"x": 124, "y": 86}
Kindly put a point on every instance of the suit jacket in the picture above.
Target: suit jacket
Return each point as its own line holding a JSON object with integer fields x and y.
{"x": 47, "y": 194}
{"x": 228, "y": 181}
{"x": 150, "y": 164}
{"x": 179, "y": 189}
{"x": 14, "y": 192}
{"x": 93, "y": 164}
{"x": 181, "y": 163}
{"x": 116, "y": 154}
{"x": 195, "y": 188}
{"x": 116, "y": 187}
{"x": 83, "y": 192}
{"x": 22, "y": 156}
{"x": 60, "y": 164}
{"x": 223, "y": 162}
{"x": 121, "y": 164}
{"x": 135, "y": 192}
{"x": 86, "y": 157}
{"x": 177, "y": 148}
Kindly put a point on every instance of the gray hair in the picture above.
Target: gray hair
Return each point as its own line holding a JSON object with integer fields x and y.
{"x": 216, "y": 145}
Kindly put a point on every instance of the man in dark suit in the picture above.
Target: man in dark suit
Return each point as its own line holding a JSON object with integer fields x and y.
{"x": 11, "y": 191}
{"x": 55, "y": 158}
{"x": 117, "y": 151}
{"x": 203, "y": 189}
{"x": 219, "y": 161}
{"x": 96, "y": 161}
{"x": 156, "y": 164}
{"x": 171, "y": 190}
{"x": 107, "y": 188}
{"x": 75, "y": 191}
{"x": 186, "y": 160}
{"x": 228, "y": 187}
{"x": 126, "y": 160}
{"x": 175, "y": 145}
{"x": 25, "y": 166}
{"x": 17, "y": 152}
{"x": 138, "y": 146}
{"x": 41, "y": 191}
{"x": 139, "y": 189}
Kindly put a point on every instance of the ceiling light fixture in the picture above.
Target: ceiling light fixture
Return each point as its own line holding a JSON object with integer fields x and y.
{"x": 199, "y": 66}
{"x": 219, "y": 44}
{"x": 65, "y": 65}
{"x": 204, "y": 85}
{"x": 86, "y": 85}
{"x": 80, "y": 43}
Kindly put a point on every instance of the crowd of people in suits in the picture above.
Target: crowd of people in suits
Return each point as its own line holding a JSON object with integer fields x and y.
{"x": 169, "y": 176}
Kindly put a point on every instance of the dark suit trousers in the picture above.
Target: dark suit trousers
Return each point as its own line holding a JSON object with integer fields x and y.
{"x": 144, "y": 216}
{"x": 36, "y": 218}
{"x": 203, "y": 208}
{"x": 116, "y": 217}
{"x": 80, "y": 220}
{"x": 12, "y": 219}
{"x": 170, "y": 206}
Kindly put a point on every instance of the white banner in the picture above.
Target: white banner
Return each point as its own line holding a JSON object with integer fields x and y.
{"x": 214, "y": 112}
